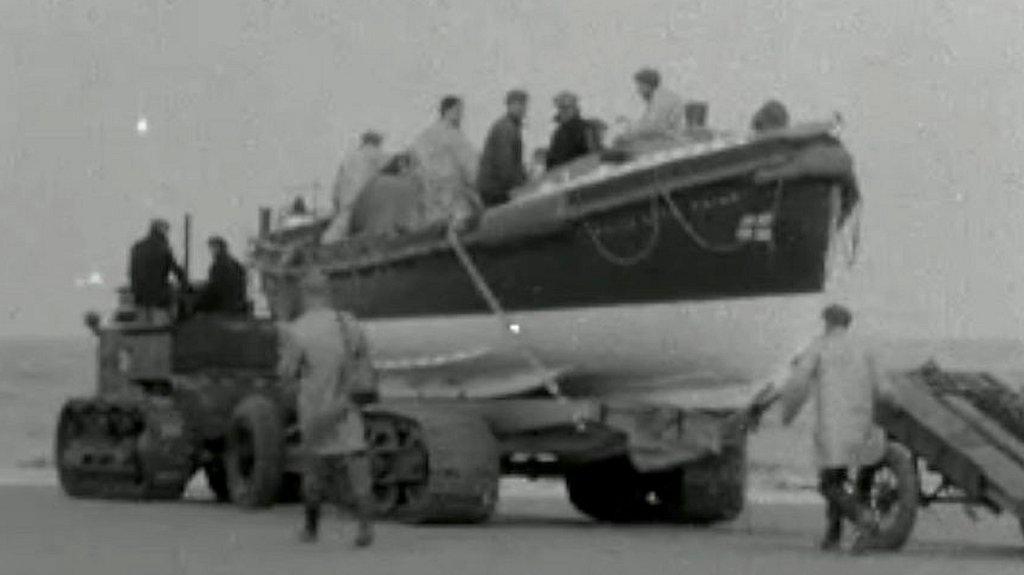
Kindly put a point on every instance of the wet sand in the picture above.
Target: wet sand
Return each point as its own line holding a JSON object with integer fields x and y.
{"x": 536, "y": 531}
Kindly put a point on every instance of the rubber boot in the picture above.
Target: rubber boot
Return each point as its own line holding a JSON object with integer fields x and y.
{"x": 364, "y": 515}
{"x": 311, "y": 530}
{"x": 833, "y": 530}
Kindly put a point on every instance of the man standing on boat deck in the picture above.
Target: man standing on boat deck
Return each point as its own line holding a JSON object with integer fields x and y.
{"x": 357, "y": 168}
{"x": 501, "y": 163}
{"x": 573, "y": 137}
{"x": 150, "y": 262}
{"x": 843, "y": 382}
{"x": 448, "y": 165}
{"x": 665, "y": 111}
{"x": 326, "y": 350}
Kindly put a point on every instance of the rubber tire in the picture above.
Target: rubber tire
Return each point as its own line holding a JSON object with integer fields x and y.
{"x": 610, "y": 490}
{"x": 217, "y": 479}
{"x": 263, "y": 422}
{"x": 711, "y": 490}
{"x": 894, "y": 536}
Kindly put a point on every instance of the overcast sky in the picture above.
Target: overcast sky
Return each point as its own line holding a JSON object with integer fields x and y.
{"x": 244, "y": 98}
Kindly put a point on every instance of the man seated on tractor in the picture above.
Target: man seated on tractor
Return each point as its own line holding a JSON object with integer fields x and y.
{"x": 225, "y": 286}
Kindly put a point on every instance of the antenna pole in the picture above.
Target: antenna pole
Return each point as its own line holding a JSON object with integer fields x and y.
{"x": 188, "y": 244}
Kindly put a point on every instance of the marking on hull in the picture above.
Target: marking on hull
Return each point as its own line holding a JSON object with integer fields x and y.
{"x": 430, "y": 360}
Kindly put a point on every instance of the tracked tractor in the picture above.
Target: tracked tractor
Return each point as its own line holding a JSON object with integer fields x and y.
{"x": 200, "y": 393}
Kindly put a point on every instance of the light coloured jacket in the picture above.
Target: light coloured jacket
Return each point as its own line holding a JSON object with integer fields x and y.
{"x": 357, "y": 168}
{"x": 448, "y": 164}
{"x": 665, "y": 115}
{"x": 842, "y": 382}
{"x": 314, "y": 350}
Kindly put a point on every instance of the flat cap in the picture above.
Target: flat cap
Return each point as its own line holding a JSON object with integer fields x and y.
{"x": 648, "y": 76}
{"x": 516, "y": 95}
{"x": 566, "y": 98}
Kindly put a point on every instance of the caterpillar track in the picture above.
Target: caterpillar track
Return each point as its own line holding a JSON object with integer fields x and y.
{"x": 136, "y": 450}
{"x": 432, "y": 466}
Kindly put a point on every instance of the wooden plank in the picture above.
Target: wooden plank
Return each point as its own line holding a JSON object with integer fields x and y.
{"x": 918, "y": 401}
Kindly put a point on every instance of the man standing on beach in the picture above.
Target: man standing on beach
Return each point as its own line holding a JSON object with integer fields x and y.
{"x": 842, "y": 380}
{"x": 327, "y": 351}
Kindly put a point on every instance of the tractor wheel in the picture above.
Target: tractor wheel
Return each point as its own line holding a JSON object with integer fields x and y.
{"x": 707, "y": 491}
{"x": 217, "y": 479}
{"x": 894, "y": 497}
{"x": 254, "y": 457}
{"x": 610, "y": 490}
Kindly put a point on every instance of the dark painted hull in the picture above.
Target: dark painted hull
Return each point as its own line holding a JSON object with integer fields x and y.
{"x": 729, "y": 232}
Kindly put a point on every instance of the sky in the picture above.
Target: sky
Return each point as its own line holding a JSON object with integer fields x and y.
{"x": 246, "y": 101}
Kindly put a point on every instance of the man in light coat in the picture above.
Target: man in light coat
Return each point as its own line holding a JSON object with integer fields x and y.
{"x": 843, "y": 383}
{"x": 448, "y": 164}
{"x": 357, "y": 168}
{"x": 326, "y": 351}
{"x": 664, "y": 113}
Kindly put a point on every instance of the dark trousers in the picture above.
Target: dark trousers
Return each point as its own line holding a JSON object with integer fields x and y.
{"x": 842, "y": 502}
{"x": 341, "y": 479}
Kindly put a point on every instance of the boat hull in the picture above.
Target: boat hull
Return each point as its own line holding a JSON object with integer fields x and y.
{"x": 694, "y": 272}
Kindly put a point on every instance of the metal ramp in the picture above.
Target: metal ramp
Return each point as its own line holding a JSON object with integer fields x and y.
{"x": 965, "y": 426}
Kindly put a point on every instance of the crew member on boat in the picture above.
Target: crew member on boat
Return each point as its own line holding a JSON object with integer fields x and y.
{"x": 573, "y": 137}
{"x": 391, "y": 204}
{"x": 150, "y": 263}
{"x": 225, "y": 290}
{"x": 357, "y": 168}
{"x": 664, "y": 112}
{"x": 696, "y": 122}
{"x": 448, "y": 164}
{"x": 771, "y": 116}
{"x": 501, "y": 163}
{"x": 843, "y": 383}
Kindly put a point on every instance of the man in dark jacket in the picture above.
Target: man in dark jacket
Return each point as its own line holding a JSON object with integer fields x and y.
{"x": 501, "y": 163}
{"x": 150, "y": 263}
{"x": 225, "y": 284}
{"x": 573, "y": 137}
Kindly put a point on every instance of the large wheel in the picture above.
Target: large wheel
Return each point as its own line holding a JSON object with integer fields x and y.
{"x": 254, "y": 455}
{"x": 894, "y": 497}
{"x": 611, "y": 490}
{"x": 444, "y": 464}
{"x": 217, "y": 479}
{"x": 707, "y": 491}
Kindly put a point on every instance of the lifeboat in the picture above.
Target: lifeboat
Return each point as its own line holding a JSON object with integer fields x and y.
{"x": 664, "y": 268}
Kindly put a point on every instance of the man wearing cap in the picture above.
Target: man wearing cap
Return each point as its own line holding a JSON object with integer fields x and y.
{"x": 664, "y": 112}
{"x": 573, "y": 137}
{"x": 150, "y": 263}
{"x": 326, "y": 350}
{"x": 357, "y": 168}
{"x": 225, "y": 284}
{"x": 501, "y": 163}
{"x": 841, "y": 378}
